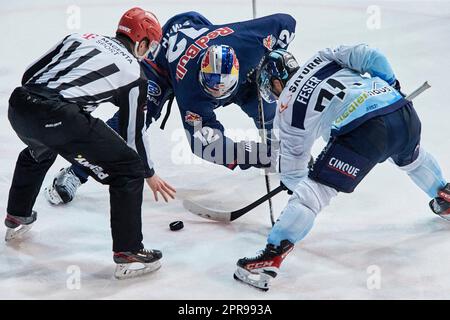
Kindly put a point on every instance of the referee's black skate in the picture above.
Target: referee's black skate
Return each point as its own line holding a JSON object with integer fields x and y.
{"x": 133, "y": 264}
{"x": 63, "y": 188}
{"x": 441, "y": 204}
{"x": 260, "y": 270}
{"x": 17, "y": 226}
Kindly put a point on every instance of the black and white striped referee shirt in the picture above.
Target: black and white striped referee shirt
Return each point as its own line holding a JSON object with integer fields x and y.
{"x": 90, "y": 69}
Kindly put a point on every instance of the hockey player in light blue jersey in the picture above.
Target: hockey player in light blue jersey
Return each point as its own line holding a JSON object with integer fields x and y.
{"x": 351, "y": 97}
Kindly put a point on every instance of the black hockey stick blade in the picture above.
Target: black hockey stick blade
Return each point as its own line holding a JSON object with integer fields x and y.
{"x": 226, "y": 215}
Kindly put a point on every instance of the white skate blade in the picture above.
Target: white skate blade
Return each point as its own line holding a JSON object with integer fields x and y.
{"x": 127, "y": 270}
{"x": 445, "y": 216}
{"x": 52, "y": 196}
{"x": 18, "y": 232}
{"x": 260, "y": 281}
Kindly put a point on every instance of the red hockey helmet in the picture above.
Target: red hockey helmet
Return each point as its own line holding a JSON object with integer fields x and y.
{"x": 138, "y": 24}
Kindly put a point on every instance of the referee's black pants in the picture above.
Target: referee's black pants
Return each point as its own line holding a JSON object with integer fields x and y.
{"x": 50, "y": 127}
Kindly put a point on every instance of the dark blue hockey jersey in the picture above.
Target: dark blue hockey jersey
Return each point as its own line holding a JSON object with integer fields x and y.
{"x": 185, "y": 39}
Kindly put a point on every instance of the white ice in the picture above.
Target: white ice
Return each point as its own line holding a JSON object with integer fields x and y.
{"x": 385, "y": 225}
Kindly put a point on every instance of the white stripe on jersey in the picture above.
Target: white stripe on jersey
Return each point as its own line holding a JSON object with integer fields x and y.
{"x": 89, "y": 68}
{"x": 131, "y": 130}
{"x": 146, "y": 141}
{"x": 42, "y": 56}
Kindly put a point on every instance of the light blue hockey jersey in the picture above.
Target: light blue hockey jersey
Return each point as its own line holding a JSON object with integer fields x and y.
{"x": 331, "y": 94}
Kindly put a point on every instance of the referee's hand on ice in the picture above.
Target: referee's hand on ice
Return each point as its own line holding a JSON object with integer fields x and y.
{"x": 158, "y": 185}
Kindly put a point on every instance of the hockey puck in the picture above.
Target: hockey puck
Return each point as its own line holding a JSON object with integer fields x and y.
{"x": 176, "y": 225}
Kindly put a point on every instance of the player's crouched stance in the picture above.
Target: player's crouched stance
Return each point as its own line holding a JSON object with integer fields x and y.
{"x": 50, "y": 113}
{"x": 366, "y": 121}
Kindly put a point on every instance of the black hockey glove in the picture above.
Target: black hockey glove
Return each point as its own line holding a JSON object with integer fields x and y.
{"x": 396, "y": 86}
{"x": 252, "y": 154}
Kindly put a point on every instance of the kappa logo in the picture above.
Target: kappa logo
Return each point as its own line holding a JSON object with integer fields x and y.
{"x": 283, "y": 103}
{"x": 153, "y": 89}
{"x": 283, "y": 106}
{"x": 97, "y": 170}
{"x": 343, "y": 167}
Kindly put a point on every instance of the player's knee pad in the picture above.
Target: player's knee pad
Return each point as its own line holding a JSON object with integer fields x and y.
{"x": 297, "y": 219}
{"x": 420, "y": 159}
{"x": 426, "y": 173}
{"x": 313, "y": 195}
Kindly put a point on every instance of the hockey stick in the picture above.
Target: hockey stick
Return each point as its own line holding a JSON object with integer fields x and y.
{"x": 264, "y": 140}
{"x": 418, "y": 91}
{"x": 228, "y": 216}
{"x": 263, "y": 132}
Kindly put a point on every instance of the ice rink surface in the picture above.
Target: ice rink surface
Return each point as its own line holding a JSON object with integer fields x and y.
{"x": 384, "y": 228}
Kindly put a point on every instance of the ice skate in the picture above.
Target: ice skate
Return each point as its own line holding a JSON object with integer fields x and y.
{"x": 441, "y": 204}
{"x": 17, "y": 226}
{"x": 63, "y": 188}
{"x": 260, "y": 270}
{"x": 130, "y": 265}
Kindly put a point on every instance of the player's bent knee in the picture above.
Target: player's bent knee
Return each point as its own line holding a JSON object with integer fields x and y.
{"x": 419, "y": 161}
{"x": 426, "y": 173}
{"x": 313, "y": 195}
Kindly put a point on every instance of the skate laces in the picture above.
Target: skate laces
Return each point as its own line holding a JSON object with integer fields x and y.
{"x": 261, "y": 253}
{"x": 145, "y": 252}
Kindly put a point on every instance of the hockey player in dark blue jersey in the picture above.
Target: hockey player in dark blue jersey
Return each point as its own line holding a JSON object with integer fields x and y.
{"x": 205, "y": 66}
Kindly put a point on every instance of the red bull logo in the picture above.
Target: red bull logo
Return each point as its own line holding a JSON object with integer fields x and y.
{"x": 195, "y": 48}
{"x": 205, "y": 62}
{"x": 192, "y": 118}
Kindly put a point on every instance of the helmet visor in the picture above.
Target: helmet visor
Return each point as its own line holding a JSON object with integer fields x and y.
{"x": 217, "y": 85}
{"x": 265, "y": 87}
